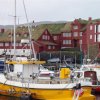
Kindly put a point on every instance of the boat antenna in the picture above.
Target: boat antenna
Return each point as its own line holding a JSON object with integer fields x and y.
{"x": 29, "y": 32}
{"x": 15, "y": 31}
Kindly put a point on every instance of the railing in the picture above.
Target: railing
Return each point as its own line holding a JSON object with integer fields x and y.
{"x": 55, "y": 80}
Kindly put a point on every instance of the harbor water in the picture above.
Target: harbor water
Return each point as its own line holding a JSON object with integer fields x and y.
{"x": 12, "y": 98}
{"x": 8, "y": 98}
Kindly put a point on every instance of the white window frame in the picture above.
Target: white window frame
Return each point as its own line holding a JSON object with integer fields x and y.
{"x": 91, "y": 27}
{"x": 80, "y": 33}
{"x": 75, "y": 27}
{"x": 75, "y": 34}
{"x": 49, "y": 47}
{"x": 55, "y": 37}
{"x": 80, "y": 41}
{"x": 6, "y": 44}
{"x": 66, "y": 41}
{"x": 53, "y": 47}
{"x": 66, "y": 34}
{"x": 90, "y": 36}
{"x": 1, "y": 44}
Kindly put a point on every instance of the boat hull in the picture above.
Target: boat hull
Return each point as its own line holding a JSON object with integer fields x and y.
{"x": 45, "y": 94}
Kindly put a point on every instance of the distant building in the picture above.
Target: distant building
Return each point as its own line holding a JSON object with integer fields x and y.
{"x": 77, "y": 34}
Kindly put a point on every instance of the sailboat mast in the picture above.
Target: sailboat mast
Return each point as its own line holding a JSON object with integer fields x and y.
{"x": 30, "y": 38}
{"x": 15, "y": 29}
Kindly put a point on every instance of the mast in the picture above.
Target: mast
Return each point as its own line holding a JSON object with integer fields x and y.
{"x": 15, "y": 31}
{"x": 30, "y": 38}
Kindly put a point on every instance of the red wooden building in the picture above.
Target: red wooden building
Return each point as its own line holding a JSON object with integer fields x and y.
{"x": 80, "y": 34}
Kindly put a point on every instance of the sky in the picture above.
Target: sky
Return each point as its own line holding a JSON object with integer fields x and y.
{"x": 48, "y": 10}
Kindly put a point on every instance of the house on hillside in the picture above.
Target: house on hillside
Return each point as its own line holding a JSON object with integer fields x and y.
{"x": 46, "y": 42}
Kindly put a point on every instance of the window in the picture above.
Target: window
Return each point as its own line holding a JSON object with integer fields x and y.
{"x": 75, "y": 27}
{"x": 49, "y": 47}
{"x": 66, "y": 41}
{"x": 91, "y": 27}
{"x": 44, "y": 37}
{"x": 55, "y": 37}
{"x": 75, "y": 34}
{"x": 98, "y": 28}
{"x": 90, "y": 36}
{"x": 53, "y": 47}
{"x": 80, "y": 33}
{"x": 1, "y": 44}
{"x": 66, "y": 34}
{"x": 80, "y": 41}
{"x": 98, "y": 38}
{"x": 6, "y": 44}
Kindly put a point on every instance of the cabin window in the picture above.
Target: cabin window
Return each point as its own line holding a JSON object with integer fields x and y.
{"x": 11, "y": 67}
{"x": 24, "y": 51}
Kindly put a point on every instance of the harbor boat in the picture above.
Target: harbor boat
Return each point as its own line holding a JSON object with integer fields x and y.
{"x": 93, "y": 71}
{"x": 24, "y": 79}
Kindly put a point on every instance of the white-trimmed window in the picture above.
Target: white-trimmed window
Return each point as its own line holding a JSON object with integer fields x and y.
{"x": 75, "y": 27}
{"x": 1, "y": 44}
{"x": 80, "y": 41}
{"x": 44, "y": 37}
{"x": 91, "y": 27}
{"x": 98, "y": 38}
{"x": 75, "y": 34}
{"x": 55, "y": 37}
{"x": 53, "y": 47}
{"x": 66, "y": 34}
{"x": 90, "y": 36}
{"x": 66, "y": 41}
{"x": 80, "y": 33}
{"x": 6, "y": 44}
{"x": 49, "y": 47}
{"x": 98, "y": 28}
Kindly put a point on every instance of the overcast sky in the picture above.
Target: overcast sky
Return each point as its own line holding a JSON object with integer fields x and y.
{"x": 49, "y": 10}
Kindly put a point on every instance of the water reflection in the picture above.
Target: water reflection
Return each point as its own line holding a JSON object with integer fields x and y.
{"x": 8, "y": 98}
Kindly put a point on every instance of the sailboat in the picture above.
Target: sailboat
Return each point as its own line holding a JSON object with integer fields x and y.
{"x": 20, "y": 79}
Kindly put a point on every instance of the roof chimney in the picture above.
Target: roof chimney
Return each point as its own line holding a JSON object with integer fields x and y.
{"x": 90, "y": 18}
